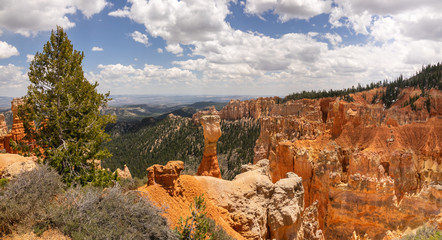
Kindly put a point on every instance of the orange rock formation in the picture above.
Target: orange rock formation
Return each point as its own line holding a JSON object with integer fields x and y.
{"x": 248, "y": 207}
{"x": 17, "y": 132}
{"x": 3, "y": 131}
{"x": 371, "y": 169}
{"x": 124, "y": 174}
{"x": 167, "y": 176}
{"x": 212, "y": 132}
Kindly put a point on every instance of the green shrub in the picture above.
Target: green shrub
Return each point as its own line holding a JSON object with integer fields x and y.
{"x": 3, "y": 182}
{"x": 93, "y": 213}
{"x": 198, "y": 226}
{"x": 24, "y": 200}
{"x": 426, "y": 232}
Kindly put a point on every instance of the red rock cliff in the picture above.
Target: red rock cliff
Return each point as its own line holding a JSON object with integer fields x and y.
{"x": 371, "y": 169}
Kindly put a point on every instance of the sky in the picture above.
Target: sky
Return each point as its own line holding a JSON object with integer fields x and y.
{"x": 224, "y": 47}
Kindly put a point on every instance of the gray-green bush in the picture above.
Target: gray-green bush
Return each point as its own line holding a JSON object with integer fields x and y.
{"x": 90, "y": 213}
{"x": 24, "y": 200}
{"x": 426, "y": 232}
{"x": 39, "y": 200}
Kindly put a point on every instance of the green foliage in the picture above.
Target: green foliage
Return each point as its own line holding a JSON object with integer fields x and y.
{"x": 390, "y": 96}
{"x": 3, "y": 182}
{"x": 235, "y": 146}
{"x": 428, "y": 104}
{"x": 426, "y": 232}
{"x": 178, "y": 138}
{"x": 24, "y": 200}
{"x": 64, "y": 107}
{"x": 410, "y": 100}
{"x": 348, "y": 98}
{"x": 91, "y": 213}
{"x": 375, "y": 98}
{"x": 198, "y": 226}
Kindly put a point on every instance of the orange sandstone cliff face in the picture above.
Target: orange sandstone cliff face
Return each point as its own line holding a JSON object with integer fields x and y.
{"x": 370, "y": 169}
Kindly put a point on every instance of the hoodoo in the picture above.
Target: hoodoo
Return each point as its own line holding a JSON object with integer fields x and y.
{"x": 212, "y": 132}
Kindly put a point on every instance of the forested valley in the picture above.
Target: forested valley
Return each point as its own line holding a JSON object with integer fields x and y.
{"x": 154, "y": 141}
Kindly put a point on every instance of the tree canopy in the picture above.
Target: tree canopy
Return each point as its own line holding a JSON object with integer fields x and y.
{"x": 65, "y": 108}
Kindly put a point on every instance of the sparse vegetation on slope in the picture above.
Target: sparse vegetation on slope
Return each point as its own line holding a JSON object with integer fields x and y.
{"x": 426, "y": 232}
{"x": 91, "y": 213}
{"x": 198, "y": 226}
{"x": 178, "y": 138}
{"x": 429, "y": 77}
{"x": 36, "y": 200}
{"x": 24, "y": 201}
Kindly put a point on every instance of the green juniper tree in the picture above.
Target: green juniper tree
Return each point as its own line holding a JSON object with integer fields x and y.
{"x": 64, "y": 106}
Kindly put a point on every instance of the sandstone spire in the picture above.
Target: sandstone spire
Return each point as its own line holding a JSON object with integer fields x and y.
{"x": 3, "y": 127}
{"x": 212, "y": 131}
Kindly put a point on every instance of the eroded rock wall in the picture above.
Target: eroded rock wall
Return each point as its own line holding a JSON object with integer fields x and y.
{"x": 369, "y": 168}
{"x": 248, "y": 207}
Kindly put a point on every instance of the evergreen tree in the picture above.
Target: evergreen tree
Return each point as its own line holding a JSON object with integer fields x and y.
{"x": 64, "y": 107}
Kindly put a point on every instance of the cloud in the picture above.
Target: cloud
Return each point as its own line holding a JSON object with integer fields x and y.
{"x": 385, "y": 20}
{"x": 179, "y": 21}
{"x": 139, "y": 37}
{"x": 30, "y": 17}
{"x": 97, "y": 49}
{"x": 397, "y": 39}
{"x": 333, "y": 38}
{"x": 29, "y": 57}
{"x": 13, "y": 80}
{"x": 175, "y": 49}
{"x": 89, "y": 8}
{"x": 7, "y": 50}
{"x": 288, "y": 9}
{"x": 148, "y": 79}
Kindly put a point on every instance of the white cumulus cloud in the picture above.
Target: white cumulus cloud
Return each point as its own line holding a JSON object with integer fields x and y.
{"x": 149, "y": 79}
{"x": 29, "y": 17}
{"x": 29, "y": 57}
{"x": 175, "y": 49}
{"x": 399, "y": 39}
{"x": 7, "y": 50}
{"x": 288, "y": 9}
{"x": 13, "y": 80}
{"x": 97, "y": 49}
{"x": 184, "y": 21}
{"x": 89, "y": 8}
{"x": 140, "y": 37}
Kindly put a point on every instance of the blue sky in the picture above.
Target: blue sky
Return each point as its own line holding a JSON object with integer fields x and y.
{"x": 223, "y": 47}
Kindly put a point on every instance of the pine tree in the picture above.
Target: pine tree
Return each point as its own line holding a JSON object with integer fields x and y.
{"x": 65, "y": 109}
